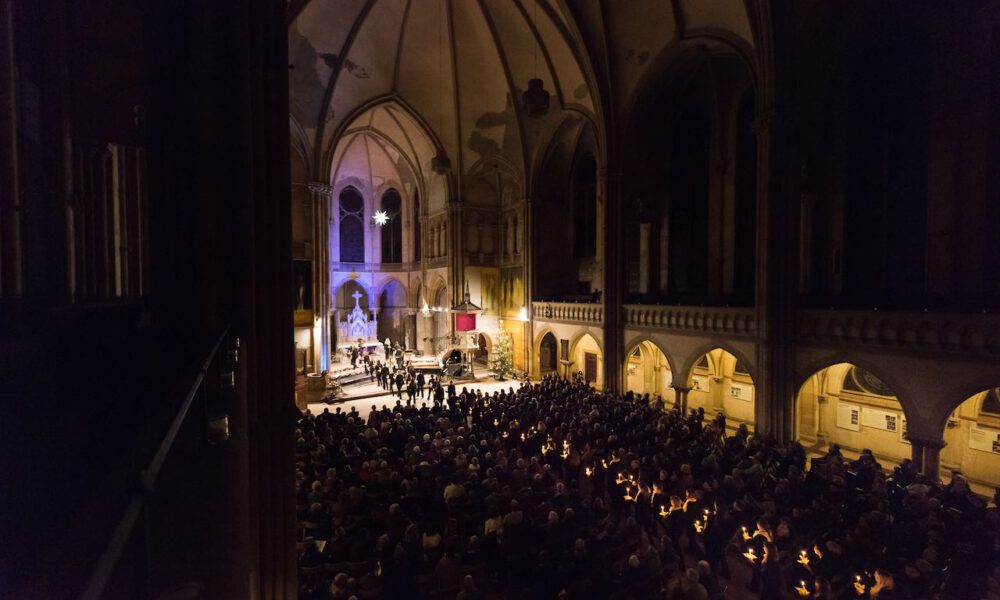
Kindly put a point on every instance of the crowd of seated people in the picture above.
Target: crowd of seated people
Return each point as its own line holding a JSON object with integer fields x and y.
{"x": 555, "y": 490}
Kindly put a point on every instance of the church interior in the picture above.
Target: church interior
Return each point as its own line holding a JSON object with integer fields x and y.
{"x": 489, "y": 299}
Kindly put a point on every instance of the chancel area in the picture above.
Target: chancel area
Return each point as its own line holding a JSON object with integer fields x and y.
{"x": 500, "y": 299}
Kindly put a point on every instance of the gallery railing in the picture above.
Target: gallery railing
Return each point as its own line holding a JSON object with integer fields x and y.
{"x": 569, "y": 312}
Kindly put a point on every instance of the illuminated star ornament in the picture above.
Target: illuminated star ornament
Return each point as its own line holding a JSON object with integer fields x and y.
{"x": 381, "y": 218}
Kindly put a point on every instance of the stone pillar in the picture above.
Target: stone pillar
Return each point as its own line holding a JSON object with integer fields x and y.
{"x": 644, "y": 230}
{"x": 931, "y": 462}
{"x": 917, "y": 453}
{"x": 609, "y": 182}
{"x": 777, "y": 217}
{"x": 681, "y": 397}
{"x": 821, "y": 434}
{"x": 321, "y": 194}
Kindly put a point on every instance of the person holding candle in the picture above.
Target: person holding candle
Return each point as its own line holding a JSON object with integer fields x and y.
{"x": 772, "y": 581}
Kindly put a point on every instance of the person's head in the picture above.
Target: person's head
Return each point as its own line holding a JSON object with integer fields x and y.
{"x": 704, "y": 569}
{"x": 633, "y": 562}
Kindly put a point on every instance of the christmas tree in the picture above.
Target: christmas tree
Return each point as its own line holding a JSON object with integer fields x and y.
{"x": 503, "y": 356}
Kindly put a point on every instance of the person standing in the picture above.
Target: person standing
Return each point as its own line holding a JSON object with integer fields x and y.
{"x": 451, "y": 390}
{"x": 399, "y": 382}
{"x": 411, "y": 392}
{"x": 438, "y": 395}
{"x": 420, "y": 383}
{"x": 354, "y": 357}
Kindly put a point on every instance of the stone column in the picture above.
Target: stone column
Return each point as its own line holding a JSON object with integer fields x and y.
{"x": 917, "y": 453}
{"x": 931, "y": 463}
{"x": 681, "y": 397}
{"x": 321, "y": 194}
{"x": 821, "y": 434}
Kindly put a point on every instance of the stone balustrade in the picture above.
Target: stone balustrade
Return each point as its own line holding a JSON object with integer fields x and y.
{"x": 692, "y": 319}
{"x": 568, "y": 312}
{"x": 977, "y": 334}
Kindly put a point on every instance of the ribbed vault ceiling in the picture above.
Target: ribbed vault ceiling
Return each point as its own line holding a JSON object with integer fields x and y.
{"x": 455, "y": 64}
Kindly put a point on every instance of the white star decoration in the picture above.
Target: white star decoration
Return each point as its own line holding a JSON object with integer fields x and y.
{"x": 381, "y": 218}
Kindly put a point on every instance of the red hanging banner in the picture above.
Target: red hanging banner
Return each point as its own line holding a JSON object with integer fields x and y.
{"x": 465, "y": 322}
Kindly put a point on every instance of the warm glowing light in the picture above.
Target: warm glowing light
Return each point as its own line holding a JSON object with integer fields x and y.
{"x": 381, "y": 218}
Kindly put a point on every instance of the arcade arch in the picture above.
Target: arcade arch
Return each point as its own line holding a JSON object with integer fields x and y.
{"x": 548, "y": 354}
{"x": 587, "y": 358}
{"x": 391, "y": 304}
{"x": 647, "y": 371}
{"x": 972, "y": 439}
{"x": 483, "y": 354}
{"x": 720, "y": 382}
{"x": 850, "y": 406}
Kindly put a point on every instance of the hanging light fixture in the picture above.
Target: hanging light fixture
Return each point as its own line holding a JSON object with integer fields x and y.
{"x": 535, "y": 99}
{"x": 440, "y": 164}
{"x": 381, "y": 218}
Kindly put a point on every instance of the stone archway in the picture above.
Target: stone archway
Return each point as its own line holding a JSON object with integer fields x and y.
{"x": 548, "y": 354}
{"x": 720, "y": 382}
{"x": 852, "y": 407}
{"x": 972, "y": 441}
{"x": 647, "y": 371}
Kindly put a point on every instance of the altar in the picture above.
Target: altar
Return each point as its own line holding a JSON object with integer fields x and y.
{"x": 359, "y": 325}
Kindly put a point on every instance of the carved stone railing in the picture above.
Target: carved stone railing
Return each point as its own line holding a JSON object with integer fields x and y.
{"x": 968, "y": 333}
{"x": 692, "y": 319}
{"x": 373, "y": 267}
{"x": 568, "y": 312}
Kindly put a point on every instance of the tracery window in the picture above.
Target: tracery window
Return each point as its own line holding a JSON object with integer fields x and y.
{"x": 352, "y": 231}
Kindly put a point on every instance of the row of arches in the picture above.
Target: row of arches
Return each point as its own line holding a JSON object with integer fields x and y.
{"x": 397, "y": 309}
{"x": 843, "y": 404}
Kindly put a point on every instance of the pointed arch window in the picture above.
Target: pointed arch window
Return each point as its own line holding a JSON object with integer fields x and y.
{"x": 352, "y": 231}
{"x": 392, "y": 231}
